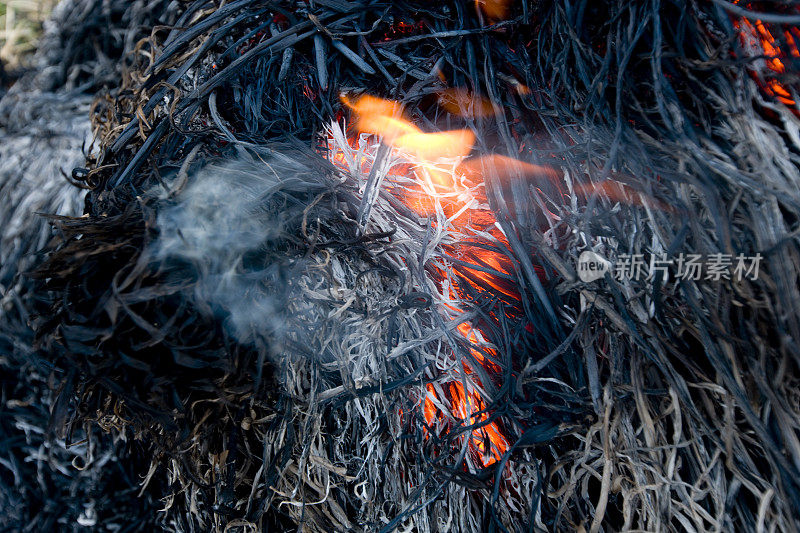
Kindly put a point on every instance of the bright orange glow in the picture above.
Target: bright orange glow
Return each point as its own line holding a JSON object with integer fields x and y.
{"x": 475, "y": 337}
{"x": 462, "y": 103}
{"x": 390, "y": 128}
{"x": 381, "y": 117}
{"x": 504, "y": 168}
{"x": 430, "y": 148}
{"x": 466, "y": 407}
{"x": 366, "y": 106}
{"x": 759, "y": 39}
{"x": 494, "y": 10}
{"x": 488, "y": 433}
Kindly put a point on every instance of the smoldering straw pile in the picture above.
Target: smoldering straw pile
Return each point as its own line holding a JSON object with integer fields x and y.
{"x": 242, "y": 331}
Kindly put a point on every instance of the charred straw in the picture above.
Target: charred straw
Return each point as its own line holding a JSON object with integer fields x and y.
{"x": 252, "y": 324}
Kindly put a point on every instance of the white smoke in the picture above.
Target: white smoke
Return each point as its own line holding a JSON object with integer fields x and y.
{"x": 227, "y": 226}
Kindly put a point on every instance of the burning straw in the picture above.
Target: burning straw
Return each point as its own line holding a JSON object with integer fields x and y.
{"x": 326, "y": 273}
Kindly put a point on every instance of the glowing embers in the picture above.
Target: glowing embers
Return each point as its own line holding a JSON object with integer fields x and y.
{"x": 486, "y": 440}
{"x": 775, "y": 46}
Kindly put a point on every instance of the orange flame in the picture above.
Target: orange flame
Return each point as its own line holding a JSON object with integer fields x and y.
{"x": 462, "y": 103}
{"x": 435, "y": 147}
{"x": 494, "y": 10}
{"x": 427, "y": 150}
{"x": 430, "y": 153}
{"x": 505, "y": 168}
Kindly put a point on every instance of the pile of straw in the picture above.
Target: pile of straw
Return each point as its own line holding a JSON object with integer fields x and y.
{"x": 223, "y": 327}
